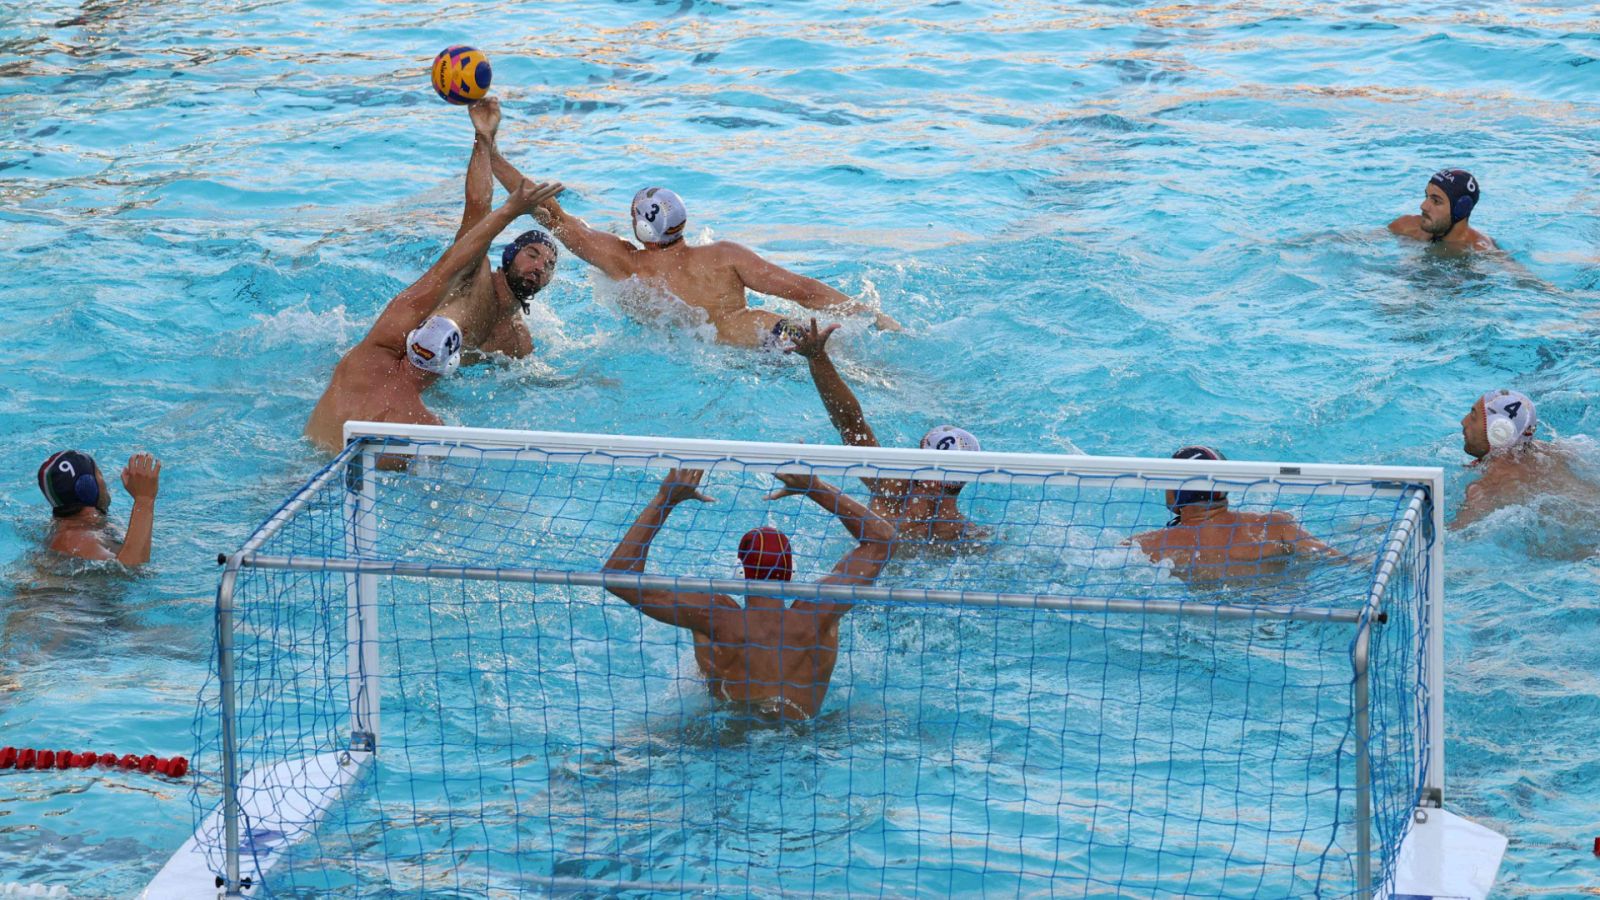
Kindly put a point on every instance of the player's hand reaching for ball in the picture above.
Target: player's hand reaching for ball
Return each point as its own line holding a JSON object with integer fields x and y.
{"x": 485, "y": 115}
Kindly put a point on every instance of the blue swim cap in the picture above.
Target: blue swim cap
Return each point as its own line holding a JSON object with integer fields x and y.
{"x": 1462, "y": 190}
{"x": 67, "y": 480}
{"x": 523, "y": 240}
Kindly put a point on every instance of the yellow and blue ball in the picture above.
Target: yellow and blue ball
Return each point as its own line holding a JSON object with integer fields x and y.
{"x": 461, "y": 75}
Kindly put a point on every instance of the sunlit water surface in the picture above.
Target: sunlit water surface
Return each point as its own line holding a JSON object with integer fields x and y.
{"x": 1107, "y": 229}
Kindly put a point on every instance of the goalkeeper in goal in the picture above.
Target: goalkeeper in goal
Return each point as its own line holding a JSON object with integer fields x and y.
{"x": 772, "y": 658}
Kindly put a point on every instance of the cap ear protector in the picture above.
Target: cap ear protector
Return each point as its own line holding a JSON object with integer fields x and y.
{"x": 1461, "y": 188}
{"x": 1500, "y": 432}
{"x": 1509, "y": 418}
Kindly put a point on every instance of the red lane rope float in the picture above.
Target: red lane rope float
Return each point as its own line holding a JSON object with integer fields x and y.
{"x": 27, "y": 758}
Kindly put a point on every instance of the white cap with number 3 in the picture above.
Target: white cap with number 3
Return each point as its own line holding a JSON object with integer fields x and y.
{"x": 658, "y": 216}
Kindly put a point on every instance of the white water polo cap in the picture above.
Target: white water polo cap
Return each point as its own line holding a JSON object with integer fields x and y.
{"x": 435, "y": 346}
{"x": 949, "y": 437}
{"x": 658, "y": 216}
{"x": 1508, "y": 418}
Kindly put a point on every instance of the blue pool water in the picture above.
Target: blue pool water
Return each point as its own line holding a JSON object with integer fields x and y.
{"x": 1112, "y": 229}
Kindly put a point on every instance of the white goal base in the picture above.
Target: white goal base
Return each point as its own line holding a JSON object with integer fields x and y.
{"x": 1445, "y": 857}
{"x": 284, "y": 805}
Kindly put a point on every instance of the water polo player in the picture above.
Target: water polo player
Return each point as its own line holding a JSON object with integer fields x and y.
{"x": 775, "y": 659}
{"x": 486, "y": 304}
{"x": 920, "y": 510}
{"x": 1447, "y": 205}
{"x": 382, "y": 378}
{"x": 1205, "y": 540}
{"x": 1513, "y": 467}
{"x": 712, "y": 278}
{"x": 79, "y": 499}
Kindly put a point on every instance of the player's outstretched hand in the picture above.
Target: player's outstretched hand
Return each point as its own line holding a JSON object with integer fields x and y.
{"x": 684, "y": 484}
{"x": 485, "y": 115}
{"x": 812, "y": 343}
{"x": 530, "y": 194}
{"x": 797, "y": 485}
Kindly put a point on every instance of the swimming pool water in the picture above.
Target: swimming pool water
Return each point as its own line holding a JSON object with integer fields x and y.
{"x": 1110, "y": 228}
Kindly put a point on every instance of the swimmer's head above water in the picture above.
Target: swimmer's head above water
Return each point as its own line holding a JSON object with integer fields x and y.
{"x": 1177, "y": 500}
{"x": 947, "y": 437}
{"x": 1449, "y": 198}
{"x": 658, "y": 217}
{"x": 1499, "y": 420}
{"x": 434, "y": 346}
{"x": 765, "y": 554}
{"x": 70, "y": 482}
{"x": 528, "y": 263}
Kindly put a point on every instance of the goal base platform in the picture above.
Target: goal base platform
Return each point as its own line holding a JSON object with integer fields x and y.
{"x": 1445, "y": 857}
{"x": 283, "y": 805}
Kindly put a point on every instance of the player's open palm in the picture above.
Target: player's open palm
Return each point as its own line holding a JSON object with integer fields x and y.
{"x": 684, "y": 484}
{"x": 794, "y": 485}
{"x": 530, "y": 194}
{"x": 812, "y": 342}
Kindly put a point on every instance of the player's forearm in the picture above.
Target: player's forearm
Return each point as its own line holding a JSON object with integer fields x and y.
{"x": 474, "y": 244}
{"x": 813, "y": 294}
{"x": 480, "y": 187}
{"x": 575, "y": 234}
{"x": 634, "y": 549}
{"x": 862, "y": 523}
{"x": 141, "y": 526}
{"x": 504, "y": 172}
{"x": 844, "y": 410}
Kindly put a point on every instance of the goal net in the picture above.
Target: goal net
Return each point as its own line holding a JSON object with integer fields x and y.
{"x": 421, "y": 682}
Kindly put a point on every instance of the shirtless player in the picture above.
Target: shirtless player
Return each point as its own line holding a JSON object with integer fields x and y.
{"x": 382, "y": 378}
{"x": 712, "y": 278}
{"x": 483, "y": 302}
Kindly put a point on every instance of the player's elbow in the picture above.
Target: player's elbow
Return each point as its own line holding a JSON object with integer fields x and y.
{"x": 878, "y": 540}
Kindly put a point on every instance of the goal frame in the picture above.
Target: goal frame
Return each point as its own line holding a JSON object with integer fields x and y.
{"x": 1422, "y": 518}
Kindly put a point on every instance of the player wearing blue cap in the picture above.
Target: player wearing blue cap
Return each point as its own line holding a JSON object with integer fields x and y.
{"x": 1207, "y": 541}
{"x": 79, "y": 499}
{"x": 488, "y": 304}
{"x": 1447, "y": 205}
{"x": 410, "y": 347}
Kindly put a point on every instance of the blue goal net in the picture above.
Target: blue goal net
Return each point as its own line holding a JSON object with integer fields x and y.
{"x": 1042, "y": 686}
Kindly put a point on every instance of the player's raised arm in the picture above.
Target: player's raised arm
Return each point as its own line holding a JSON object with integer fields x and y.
{"x": 685, "y": 610}
{"x": 844, "y": 410}
{"x": 407, "y": 310}
{"x": 876, "y": 536}
{"x": 141, "y": 478}
{"x": 485, "y": 116}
